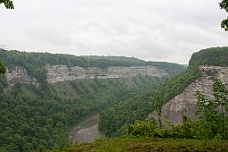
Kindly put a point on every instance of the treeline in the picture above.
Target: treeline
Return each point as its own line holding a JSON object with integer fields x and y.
{"x": 34, "y": 119}
{"x": 171, "y": 68}
{"x": 212, "y": 56}
{"x": 35, "y": 63}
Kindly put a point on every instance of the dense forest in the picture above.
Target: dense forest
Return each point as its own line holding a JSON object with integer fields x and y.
{"x": 212, "y": 120}
{"x": 211, "y": 56}
{"x": 138, "y": 107}
{"x": 112, "y": 120}
{"x": 34, "y": 118}
{"x": 207, "y": 133}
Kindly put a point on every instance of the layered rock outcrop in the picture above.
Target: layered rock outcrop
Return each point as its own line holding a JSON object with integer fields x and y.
{"x": 174, "y": 109}
{"x": 58, "y": 73}
{"x": 18, "y": 74}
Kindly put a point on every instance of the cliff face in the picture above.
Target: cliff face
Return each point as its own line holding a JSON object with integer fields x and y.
{"x": 174, "y": 109}
{"x": 18, "y": 74}
{"x": 60, "y": 73}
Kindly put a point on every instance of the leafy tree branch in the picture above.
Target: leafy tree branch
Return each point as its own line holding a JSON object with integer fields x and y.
{"x": 8, "y": 4}
{"x": 224, "y": 5}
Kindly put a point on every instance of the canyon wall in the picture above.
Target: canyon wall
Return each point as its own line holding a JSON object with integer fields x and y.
{"x": 59, "y": 73}
{"x": 18, "y": 74}
{"x": 174, "y": 109}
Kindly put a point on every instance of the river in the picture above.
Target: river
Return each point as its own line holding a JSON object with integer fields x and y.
{"x": 86, "y": 131}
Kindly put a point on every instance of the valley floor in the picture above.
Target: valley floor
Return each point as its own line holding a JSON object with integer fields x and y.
{"x": 130, "y": 144}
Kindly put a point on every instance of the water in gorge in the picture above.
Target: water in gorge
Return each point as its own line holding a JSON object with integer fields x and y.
{"x": 86, "y": 131}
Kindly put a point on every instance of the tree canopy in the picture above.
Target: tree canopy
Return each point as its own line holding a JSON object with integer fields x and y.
{"x": 8, "y": 4}
{"x": 224, "y": 5}
{"x": 2, "y": 68}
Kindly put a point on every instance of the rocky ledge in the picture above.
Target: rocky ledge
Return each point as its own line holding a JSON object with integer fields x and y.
{"x": 60, "y": 73}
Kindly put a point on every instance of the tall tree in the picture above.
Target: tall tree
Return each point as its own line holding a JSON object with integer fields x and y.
{"x": 212, "y": 112}
{"x": 8, "y": 4}
{"x": 2, "y": 68}
{"x": 224, "y": 5}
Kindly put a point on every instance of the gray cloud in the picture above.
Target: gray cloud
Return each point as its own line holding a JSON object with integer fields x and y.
{"x": 152, "y": 30}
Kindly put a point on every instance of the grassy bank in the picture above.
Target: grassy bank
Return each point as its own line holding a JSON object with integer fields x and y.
{"x": 130, "y": 144}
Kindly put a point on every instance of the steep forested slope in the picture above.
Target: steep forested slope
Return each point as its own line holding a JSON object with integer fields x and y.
{"x": 34, "y": 118}
{"x": 212, "y": 56}
{"x": 138, "y": 107}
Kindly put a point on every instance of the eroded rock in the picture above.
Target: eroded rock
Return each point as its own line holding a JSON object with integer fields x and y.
{"x": 174, "y": 109}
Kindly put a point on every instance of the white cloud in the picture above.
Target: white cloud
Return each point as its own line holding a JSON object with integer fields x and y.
{"x": 152, "y": 30}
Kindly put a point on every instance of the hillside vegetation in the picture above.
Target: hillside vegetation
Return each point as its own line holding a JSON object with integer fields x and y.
{"x": 138, "y": 107}
{"x": 34, "y": 118}
{"x": 35, "y": 63}
{"x": 145, "y": 144}
{"x": 212, "y": 56}
{"x": 207, "y": 134}
{"x": 112, "y": 120}
{"x": 39, "y": 118}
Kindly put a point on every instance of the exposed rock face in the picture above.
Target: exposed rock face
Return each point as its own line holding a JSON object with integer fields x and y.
{"x": 60, "y": 73}
{"x": 18, "y": 74}
{"x": 174, "y": 109}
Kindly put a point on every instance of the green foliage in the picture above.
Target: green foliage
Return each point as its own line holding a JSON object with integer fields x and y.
{"x": 147, "y": 144}
{"x": 212, "y": 56}
{"x": 2, "y": 68}
{"x": 159, "y": 111}
{"x": 35, "y": 63}
{"x": 170, "y": 68}
{"x": 39, "y": 118}
{"x": 31, "y": 122}
{"x": 124, "y": 113}
{"x": 212, "y": 123}
{"x": 3, "y": 81}
{"x": 142, "y": 128}
{"x": 212, "y": 112}
{"x": 188, "y": 130}
{"x": 8, "y": 4}
{"x": 224, "y": 5}
{"x": 127, "y": 112}
{"x": 34, "y": 119}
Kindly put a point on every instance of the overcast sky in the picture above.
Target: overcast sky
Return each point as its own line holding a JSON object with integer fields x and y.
{"x": 155, "y": 30}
